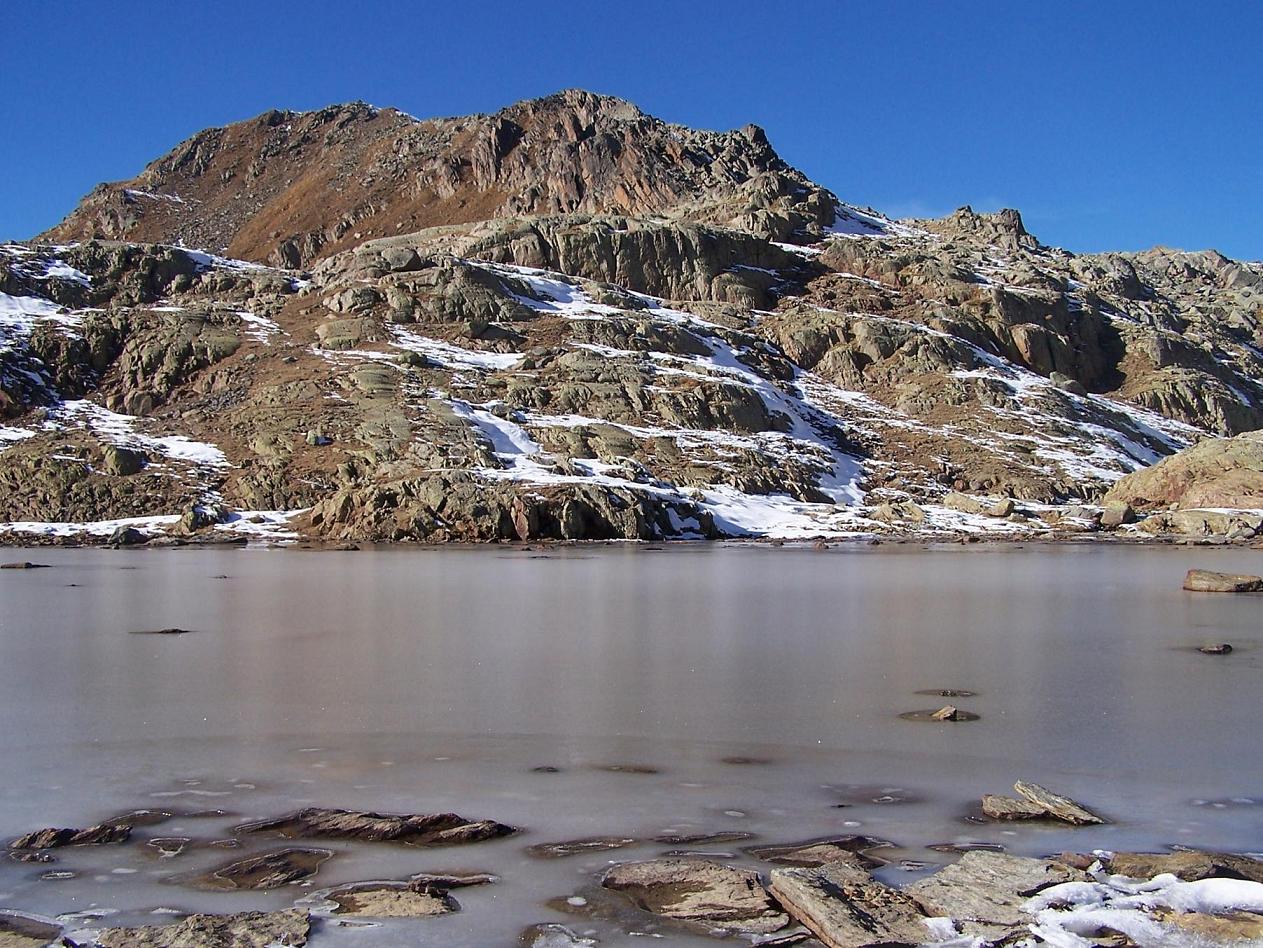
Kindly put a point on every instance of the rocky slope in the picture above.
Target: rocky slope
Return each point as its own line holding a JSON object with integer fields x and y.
{"x": 571, "y": 320}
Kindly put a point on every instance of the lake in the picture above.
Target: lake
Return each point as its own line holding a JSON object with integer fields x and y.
{"x": 696, "y": 688}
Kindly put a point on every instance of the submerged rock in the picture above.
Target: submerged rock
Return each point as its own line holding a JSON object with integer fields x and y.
{"x": 576, "y": 847}
{"x": 552, "y": 935}
{"x": 1206, "y": 580}
{"x": 847, "y": 908}
{"x": 288, "y": 928}
{"x": 267, "y": 870}
{"x": 823, "y": 850}
{"x": 440, "y": 829}
{"x": 694, "y": 890}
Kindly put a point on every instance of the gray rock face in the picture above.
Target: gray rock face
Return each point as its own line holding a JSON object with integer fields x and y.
{"x": 288, "y": 928}
{"x": 697, "y": 891}
{"x": 845, "y": 908}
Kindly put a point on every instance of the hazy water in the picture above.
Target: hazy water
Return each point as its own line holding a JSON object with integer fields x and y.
{"x": 418, "y": 681}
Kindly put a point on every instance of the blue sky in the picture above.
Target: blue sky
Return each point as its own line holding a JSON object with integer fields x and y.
{"x": 1110, "y": 125}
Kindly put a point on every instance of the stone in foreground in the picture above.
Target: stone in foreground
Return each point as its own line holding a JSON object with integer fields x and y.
{"x": 1207, "y": 580}
{"x": 439, "y": 829}
{"x": 289, "y": 929}
{"x": 847, "y": 908}
{"x": 694, "y": 890}
{"x": 988, "y": 889}
{"x": 22, "y": 931}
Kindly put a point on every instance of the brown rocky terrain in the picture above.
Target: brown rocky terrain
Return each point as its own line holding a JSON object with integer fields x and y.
{"x": 572, "y": 320}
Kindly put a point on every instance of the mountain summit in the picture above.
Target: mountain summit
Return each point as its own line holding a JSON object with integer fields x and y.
{"x": 289, "y": 188}
{"x": 572, "y": 320}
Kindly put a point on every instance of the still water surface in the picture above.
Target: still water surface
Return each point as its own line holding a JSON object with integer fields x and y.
{"x": 428, "y": 680}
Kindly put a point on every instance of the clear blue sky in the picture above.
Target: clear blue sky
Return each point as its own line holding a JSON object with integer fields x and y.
{"x": 1110, "y": 124}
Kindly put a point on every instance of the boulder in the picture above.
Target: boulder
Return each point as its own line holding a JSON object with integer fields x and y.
{"x": 698, "y": 891}
{"x": 1057, "y": 806}
{"x": 123, "y": 462}
{"x": 846, "y": 908}
{"x": 1206, "y": 580}
{"x": 288, "y": 928}
{"x": 127, "y": 536}
{"x": 1214, "y": 473}
{"x": 440, "y": 829}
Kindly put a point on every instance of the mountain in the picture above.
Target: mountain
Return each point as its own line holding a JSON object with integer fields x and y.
{"x": 572, "y": 320}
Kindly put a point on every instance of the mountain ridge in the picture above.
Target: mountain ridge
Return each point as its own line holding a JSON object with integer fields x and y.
{"x": 610, "y": 327}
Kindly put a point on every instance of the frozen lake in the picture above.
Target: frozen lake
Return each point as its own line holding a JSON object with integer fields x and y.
{"x": 430, "y": 680}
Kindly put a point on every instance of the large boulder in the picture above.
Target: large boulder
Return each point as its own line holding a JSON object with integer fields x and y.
{"x": 1215, "y": 473}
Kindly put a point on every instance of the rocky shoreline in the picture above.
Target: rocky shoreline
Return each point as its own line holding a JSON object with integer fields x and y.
{"x": 821, "y": 891}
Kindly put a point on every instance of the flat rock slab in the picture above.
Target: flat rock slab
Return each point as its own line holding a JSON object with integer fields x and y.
{"x": 1062, "y": 808}
{"x": 24, "y": 565}
{"x": 452, "y": 880}
{"x": 576, "y": 847}
{"x": 856, "y": 850}
{"x": 22, "y": 931}
{"x": 1206, "y": 580}
{"x": 1188, "y": 866}
{"x": 390, "y": 900}
{"x": 988, "y": 888}
{"x": 267, "y": 870}
{"x": 695, "y": 890}
{"x": 289, "y": 928}
{"x": 846, "y": 908}
{"x": 437, "y": 829}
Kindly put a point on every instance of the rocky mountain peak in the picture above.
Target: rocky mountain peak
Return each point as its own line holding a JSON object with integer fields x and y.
{"x": 290, "y": 188}
{"x": 1002, "y": 228}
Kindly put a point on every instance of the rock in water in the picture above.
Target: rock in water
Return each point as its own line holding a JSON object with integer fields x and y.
{"x": 1206, "y": 580}
{"x": 1007, "y": 808}
{"x": 92, "y": 836}
{"x": 574, "y": 847}
{"x": 552, "y": 935}
{"x": 694, "y": 890}
{"x": 440, "y": 829}
{"x": 267, "y": 870}
{"x": 23, "y": 565}
{"x": 946, "y": 713}
{"x": 1223, "y": 648}
{"x": 288, "y": 928}
{"x": 854, "y": 850}
{"x": 847, "y": 908}
{"x": 1063, "y": 808}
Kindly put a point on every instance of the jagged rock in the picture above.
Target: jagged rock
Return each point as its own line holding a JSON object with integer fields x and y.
{"x": 102, "y": 833}
{"x": 847, "y": 908}
{"x": 1007, "y": 808}
{"x": 1205, "y": 580}
{"x": 440, "y": 829}
{"x": 697, "y": 891}
{"x": 288, "y": 928}
{"x": 576, "y": 847}
{"x": 1057, "y": 806}
{"x": 266, "y": 870}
